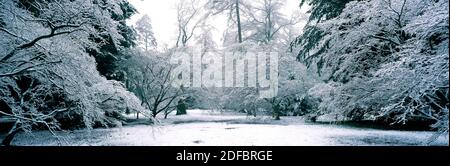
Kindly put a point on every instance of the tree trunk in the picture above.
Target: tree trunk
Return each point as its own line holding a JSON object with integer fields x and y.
{"x": 238, "y": 20}
{"x": 8, "y": 139}
{"x": 181, "y": 108}
{"x": 255, "y": 109}
{"x": 137, "y": 115}
{"x": 146, "y": 44}
{"x": 276, "y": 112}
{"x": 154, "y": 113}
{"x": 277, "y": 116}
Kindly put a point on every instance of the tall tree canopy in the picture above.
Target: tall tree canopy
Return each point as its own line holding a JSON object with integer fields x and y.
{"x": 145, "y": 32}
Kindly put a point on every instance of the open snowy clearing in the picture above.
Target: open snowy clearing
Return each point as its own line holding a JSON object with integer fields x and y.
{"x": 201, "y": 128}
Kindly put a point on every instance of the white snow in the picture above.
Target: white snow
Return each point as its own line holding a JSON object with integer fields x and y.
{"x": 202, "y": 128}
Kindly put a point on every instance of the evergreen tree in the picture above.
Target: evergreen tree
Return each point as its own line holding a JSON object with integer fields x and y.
{"x": 111, "y": 50}
{"x": 320, "y": 10}
{"x": 145, "y": 32}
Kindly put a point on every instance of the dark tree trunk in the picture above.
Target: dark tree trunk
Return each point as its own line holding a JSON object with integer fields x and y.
{"x": 277, "y": 116}
{"x": 181, "y": 108}
{"x": 238, "y": 20}
{"x": 165, "y": 115}
{"x": 276, "y": 112}
{"x": 8, "y": 139}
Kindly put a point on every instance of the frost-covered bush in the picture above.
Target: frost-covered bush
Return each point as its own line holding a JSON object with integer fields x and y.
{"x": 385, "y": 59}
{"x": 293, "y": 84}
{"x": 421, "y": 73}
{"x": 47, "y": 79}
{"x": 149, "y": 76}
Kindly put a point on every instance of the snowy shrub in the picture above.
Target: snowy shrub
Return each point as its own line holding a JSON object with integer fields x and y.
{"x": 148, "y": 75}
{"x": 384, "y": 59}
{"x": 321, "y": 95}
{"x": 294, "y": 82}
{"x": 421, "y": 73}
{"x": 47, "y": 80}
{"x": 114, "y": 99}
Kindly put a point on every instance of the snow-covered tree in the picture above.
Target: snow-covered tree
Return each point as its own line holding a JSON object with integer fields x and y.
{"x": 319, "y": 10}
{"x": 323, "y": 9}
{"x": 384, "y": 59}
{"x": 150, "y": 78}
{"x": 266, "y": 22}
{"x": 145, "y": 32}
{"x": 189, "y": 19}
{"x": 47, "y": 79}
{"x": 113, "y": 40}
{"x": 233, "y": 8}
{"x": 205, "y": 38}
{"x": 293, "y": 84}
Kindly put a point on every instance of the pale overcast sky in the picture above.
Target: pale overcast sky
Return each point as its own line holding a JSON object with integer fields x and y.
{"x": 163, "y": 16}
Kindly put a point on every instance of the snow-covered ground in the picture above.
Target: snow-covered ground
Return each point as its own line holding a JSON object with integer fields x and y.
{"x": 201, "y": 127}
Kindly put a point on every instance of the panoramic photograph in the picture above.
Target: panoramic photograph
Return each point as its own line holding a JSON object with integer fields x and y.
{"x": 224, "y": 73}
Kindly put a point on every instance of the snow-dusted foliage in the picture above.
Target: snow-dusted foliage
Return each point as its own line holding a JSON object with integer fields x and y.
{"x": 221, "y": 98}
{"x": 115, "y": 98}
{"x": 389, "y": 59}
{"x": 145, "y": 32}
{"x": 294, "y": 82}
{"x": 149, "y": 76}
{"x": 190, "y": 17}
{"x": 266, "y": 23}
{"x": 46, "y": 77}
